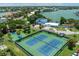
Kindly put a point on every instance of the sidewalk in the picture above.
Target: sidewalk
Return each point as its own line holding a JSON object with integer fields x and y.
{"x": 67, "y": 32}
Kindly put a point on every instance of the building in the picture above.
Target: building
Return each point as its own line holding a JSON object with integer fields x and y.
{"x": 41, "y": 21}
{"x": 3, "y": 19}
{"x": 51, "y": 24}
{"x": 31, "y": 13}
{"x": 2, "y": 47}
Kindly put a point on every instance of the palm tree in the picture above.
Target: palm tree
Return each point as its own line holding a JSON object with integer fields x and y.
{"x": 3, "y": 53}
{"x": 63, "y": 20}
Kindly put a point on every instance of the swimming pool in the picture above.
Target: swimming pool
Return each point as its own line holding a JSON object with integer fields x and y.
{"x": 42, "y": 43}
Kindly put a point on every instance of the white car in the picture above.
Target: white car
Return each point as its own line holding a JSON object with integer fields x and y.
{"x": 75, "y": 54}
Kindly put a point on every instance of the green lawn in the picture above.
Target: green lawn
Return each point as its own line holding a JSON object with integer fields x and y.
{"x": 74, "y": 29}
{"x": 12, "y": 46}
{"x": 14, "y": 49}
{"x": 60, "y": 29}
{"x": 66, "y": 51}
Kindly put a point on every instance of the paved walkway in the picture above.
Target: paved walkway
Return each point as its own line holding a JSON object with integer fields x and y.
{"x": 68, "y": 32}
{"x": 46, "y": 28}
{"x": 54, "y": 29}
{"x": 77, "y": 43}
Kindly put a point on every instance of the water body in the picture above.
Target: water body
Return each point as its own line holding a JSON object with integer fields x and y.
{"x": 56, "y": 15}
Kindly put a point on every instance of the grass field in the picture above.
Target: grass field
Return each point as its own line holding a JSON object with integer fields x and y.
{"x": 14, "y": 49}
{"x": 60, "y": 29}
{"x": 66, "y": 51}
{"x": 12, "y": 46}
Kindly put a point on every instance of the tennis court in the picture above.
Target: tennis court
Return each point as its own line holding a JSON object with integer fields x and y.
{"x": 15, "y": 37}
{"x": 42, "y": 43}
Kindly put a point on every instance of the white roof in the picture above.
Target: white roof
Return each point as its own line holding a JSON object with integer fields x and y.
{"x": 36, "y": 26}
{"x": 3, "y": 18}
{"x": 52, "y": 24}
{"x": 2, "y": 47}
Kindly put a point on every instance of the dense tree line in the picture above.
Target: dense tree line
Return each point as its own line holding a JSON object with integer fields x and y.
{"x": 70, "y": 22}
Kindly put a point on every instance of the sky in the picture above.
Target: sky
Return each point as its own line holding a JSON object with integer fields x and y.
{"x": 39, "y": 4}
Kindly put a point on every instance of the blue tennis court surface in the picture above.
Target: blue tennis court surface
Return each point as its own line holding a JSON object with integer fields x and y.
{"x": 55, "y": 43}
{"x": 45, "y": 50}
{"x": 32, "y": 42}
{"x": 43, "y": 44}
{"x": 41, "y": 37}
{"x": 35, "y": 40}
